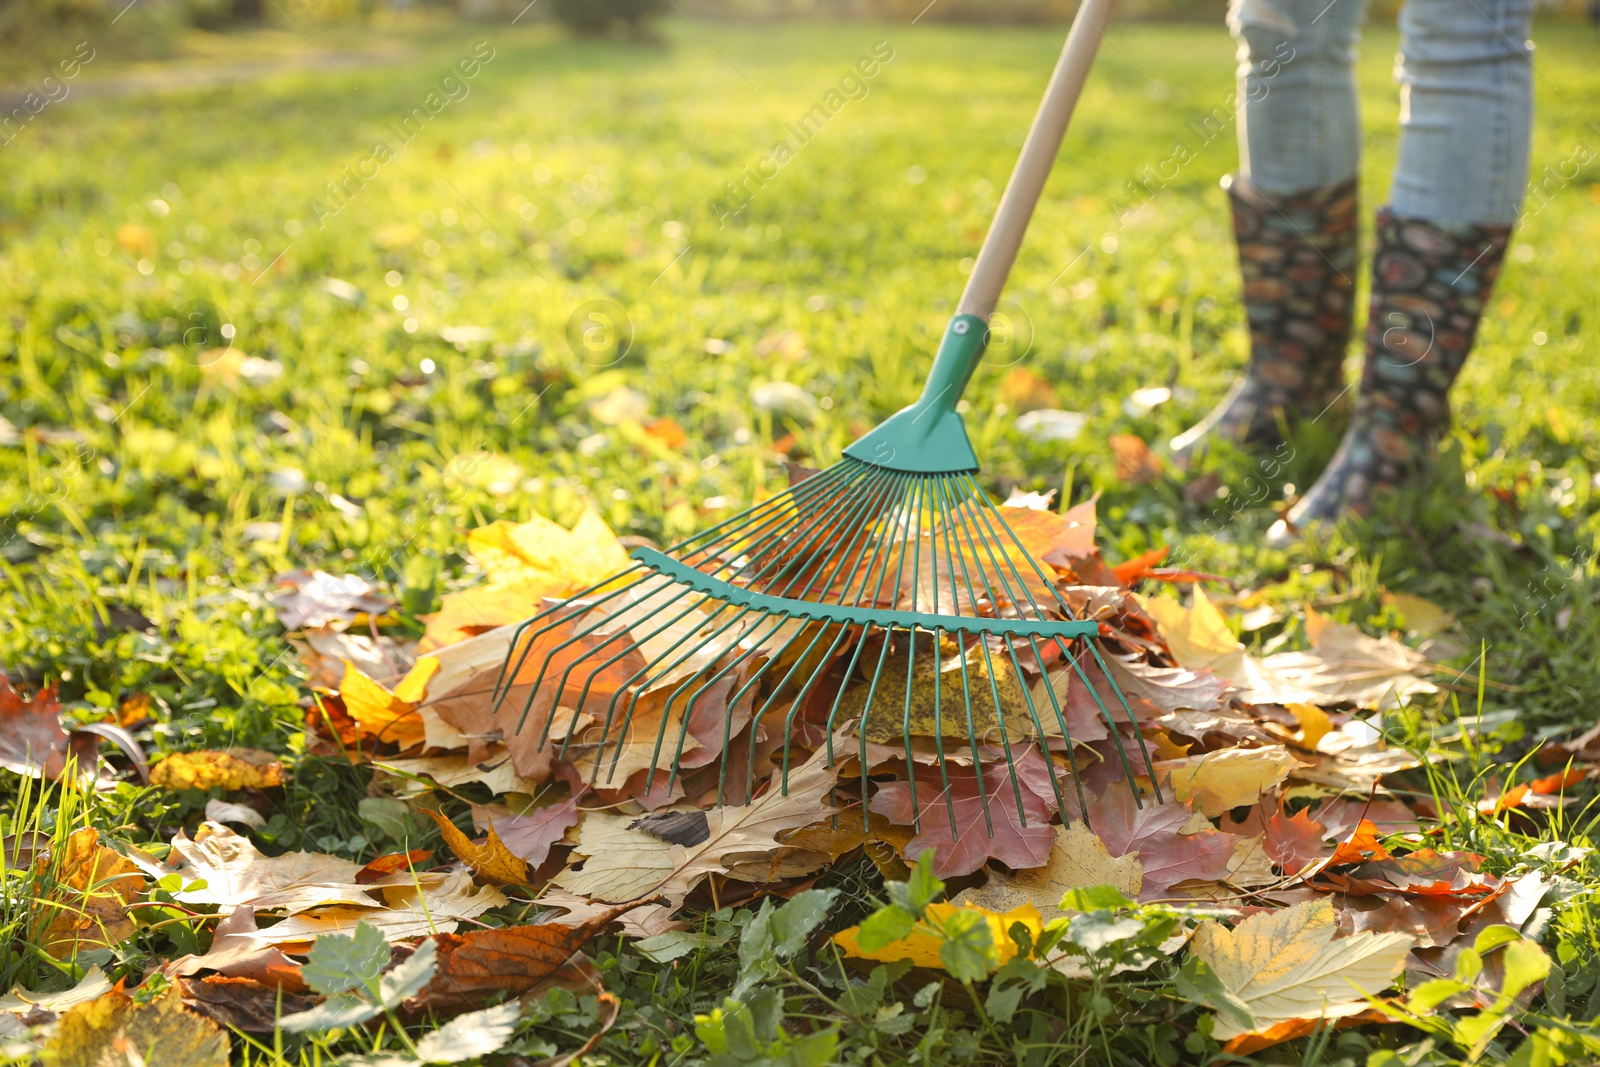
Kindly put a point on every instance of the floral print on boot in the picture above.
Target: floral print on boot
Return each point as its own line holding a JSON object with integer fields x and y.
{"x": 1429, "y": 288}
{"x": 1297, "y": 256}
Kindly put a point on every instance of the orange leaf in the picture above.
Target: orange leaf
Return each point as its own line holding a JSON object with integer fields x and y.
{"x": 1555, "y": 783}
{"x": 1278, "y": 1033}
{"x": 1140, "y": 566}
{"x": 1135, "y": 461}
{"x": 32, "y": 741}
{"x": 133, "y": 710}
{"x": 492, "y": 859}
{"x": 394, "y": 861}
{"x": 667, "y": 432}
{"x": 1360, "y": 846}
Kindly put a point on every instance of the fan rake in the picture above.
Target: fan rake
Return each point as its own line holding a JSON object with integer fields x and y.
{"x": 885, "y": 597}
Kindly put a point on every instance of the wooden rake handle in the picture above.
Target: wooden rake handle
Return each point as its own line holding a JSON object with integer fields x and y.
{"x": 999, "y": 250}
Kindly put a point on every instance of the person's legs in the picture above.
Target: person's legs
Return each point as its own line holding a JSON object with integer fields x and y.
{"x": 1466, "y": 113}
{"x": 1294, "y": 213}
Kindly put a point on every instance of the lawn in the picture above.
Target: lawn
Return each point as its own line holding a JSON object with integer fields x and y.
{"x": 314, "y": 320}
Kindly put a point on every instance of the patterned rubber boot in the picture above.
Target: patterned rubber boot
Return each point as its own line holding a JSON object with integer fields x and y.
{"x": 1297, "y": 255}
{"x": 1429, "y": 288}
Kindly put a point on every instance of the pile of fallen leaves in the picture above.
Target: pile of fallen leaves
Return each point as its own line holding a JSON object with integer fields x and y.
{"x": 1266, "y": 814}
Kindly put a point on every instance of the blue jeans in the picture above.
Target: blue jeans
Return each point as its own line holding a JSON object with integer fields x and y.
{"x": 1465, "y": 71}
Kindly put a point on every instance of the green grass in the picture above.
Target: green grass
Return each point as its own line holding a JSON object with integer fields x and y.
{"x": 576, "y": 173}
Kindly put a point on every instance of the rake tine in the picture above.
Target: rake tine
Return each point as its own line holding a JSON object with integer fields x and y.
{"x": 911, "y": 654}
{"x": 527, "y": 708}
{"x": 1038, "y": 729}
{"x": 1094, "y": 650}
{"x": 794, "y": 709}
{"x": 688, "y": 709}
{"x": 951, "y": 547}
{"x": 1116, "y": 737}
{"x": 1055, "y": 702}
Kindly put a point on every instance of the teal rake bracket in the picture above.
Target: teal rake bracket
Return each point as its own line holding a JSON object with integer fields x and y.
{"x": 838, "y": 613}
{"x": 929, "y": 437}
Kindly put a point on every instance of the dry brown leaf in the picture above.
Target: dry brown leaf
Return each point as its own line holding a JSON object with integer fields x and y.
{"x": 621, "y": 862}
{"x": 242, "y": 1003}
{"x": 237, "y": 955}
{"x": 648, "y": 920}
{"x": 316, "y": 599}
{"x": 1347, "y": 666}
{"x": 237, "y": 875}
{"x": 430, "y": 902}
{"x": 530, "y": 833}
{"x": 1200, "y": 639}
{"x": 494, "y": 769}
{"x": 93, "y": 886}
{"x": 1229, "y": 778}
{"x": 1288, "y": 965}
{"x": 238, "y": 768}
{"x": 484, "y": 965}
{"x": 114, "y": 1030}
{"x": 385, "y": 715}
{"x": 27, "y": 1002}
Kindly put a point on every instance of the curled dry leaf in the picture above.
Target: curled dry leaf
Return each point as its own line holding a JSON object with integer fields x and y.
{"x": 108, "y": 1029}
{"x": 492, "y": 859}
{"x": 414, "y": 906}
{"x": 26, "y": 1002}
{"x": 235, "y": 954}
{"x": 238, "y": 768}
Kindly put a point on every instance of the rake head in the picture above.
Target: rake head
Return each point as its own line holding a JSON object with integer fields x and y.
{"x": 896, "y": 610}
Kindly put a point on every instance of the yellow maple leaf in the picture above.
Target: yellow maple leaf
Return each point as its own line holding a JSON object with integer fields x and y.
{"x": 921, "y": 946}
{"x": 1078, "y": 860}
{"x": 526, "y": 562}
{"x": 240, "y": 768}
{"x": 1218, "y": 781}
{"x": 116, "y": 1029}
{"x": 388, "y": 715}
